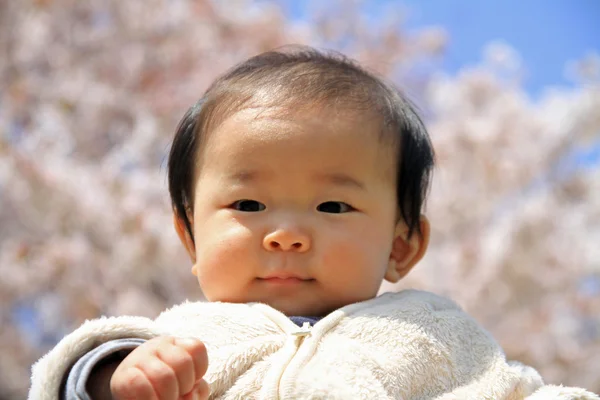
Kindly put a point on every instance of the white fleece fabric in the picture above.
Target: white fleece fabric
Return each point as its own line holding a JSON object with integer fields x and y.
{"x": 406, "y": 345}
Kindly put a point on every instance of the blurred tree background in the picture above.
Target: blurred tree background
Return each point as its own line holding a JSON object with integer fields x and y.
{"x": 91, "y": 92}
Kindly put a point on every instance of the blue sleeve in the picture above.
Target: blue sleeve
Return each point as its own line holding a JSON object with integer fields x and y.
{"x": 75, "y": 385}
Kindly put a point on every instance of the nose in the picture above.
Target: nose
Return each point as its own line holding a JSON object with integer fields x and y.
{"x": 287, "y": 240}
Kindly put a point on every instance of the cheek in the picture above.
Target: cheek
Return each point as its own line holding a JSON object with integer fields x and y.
{"x": 357, "y": 252}
{"x": 223, "y": 259}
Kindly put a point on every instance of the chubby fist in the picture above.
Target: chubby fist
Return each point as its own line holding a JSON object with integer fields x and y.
{"x": 163, "y": 368}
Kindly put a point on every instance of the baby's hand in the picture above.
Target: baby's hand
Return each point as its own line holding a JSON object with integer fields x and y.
{"x": 164, "y": 368}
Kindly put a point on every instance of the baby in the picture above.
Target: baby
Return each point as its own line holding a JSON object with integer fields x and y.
{"x": 298, "y": 183}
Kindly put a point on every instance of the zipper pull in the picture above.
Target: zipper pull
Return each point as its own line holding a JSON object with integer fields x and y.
{"x": 303, "y": 331}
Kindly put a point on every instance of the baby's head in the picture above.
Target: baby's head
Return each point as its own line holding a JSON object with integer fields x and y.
{"x": 298, "y": 180}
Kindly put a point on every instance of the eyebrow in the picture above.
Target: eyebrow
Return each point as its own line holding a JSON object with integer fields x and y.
{"x": 243, "y": 176}
{"x": 338, "y": 179}
{"x": 341, "y": 179}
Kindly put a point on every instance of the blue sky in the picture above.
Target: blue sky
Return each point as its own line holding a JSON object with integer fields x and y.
{"x": 546, "y": 33}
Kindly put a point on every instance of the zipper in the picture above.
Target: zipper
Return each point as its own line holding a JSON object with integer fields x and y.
{"x": 303, "y": 331}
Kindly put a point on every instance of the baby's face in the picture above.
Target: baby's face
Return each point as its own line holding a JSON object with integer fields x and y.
{"x": 295, "y": 210}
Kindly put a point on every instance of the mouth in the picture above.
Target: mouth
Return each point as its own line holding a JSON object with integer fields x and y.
{"x": 284, "y": 279}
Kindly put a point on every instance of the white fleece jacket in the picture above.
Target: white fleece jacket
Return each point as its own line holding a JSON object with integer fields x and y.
{"x": 407, "y": 345}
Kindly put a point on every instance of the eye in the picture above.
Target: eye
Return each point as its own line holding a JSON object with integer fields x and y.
{"x": 334, "y": 207}
{"x": 248, "y": 206}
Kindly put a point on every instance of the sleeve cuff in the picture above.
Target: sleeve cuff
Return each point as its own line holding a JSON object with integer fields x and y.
{"x": 75, "y": 385}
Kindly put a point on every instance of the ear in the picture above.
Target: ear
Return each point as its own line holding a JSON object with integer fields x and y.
{"x": 184, "y": 236}
{"x": 406, "y": 253}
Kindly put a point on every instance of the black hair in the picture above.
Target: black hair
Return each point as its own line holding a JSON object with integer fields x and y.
{"x": 305, "y": 77}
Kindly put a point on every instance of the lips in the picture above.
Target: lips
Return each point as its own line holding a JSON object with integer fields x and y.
{"x": 284, "y": 276}
{"x": 285, "y": 279}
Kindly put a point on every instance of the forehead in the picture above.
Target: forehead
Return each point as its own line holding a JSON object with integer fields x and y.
{"x": 299, "y": 140}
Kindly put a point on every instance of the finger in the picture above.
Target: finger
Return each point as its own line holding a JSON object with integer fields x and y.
{"x": 201, "y": 391}
{"x": 130, "y": 384}
{"x": 181, "y": 362}
{"x": 197, "y": 350}
{"x": 141, "y": 352}
{"x": 162, "y": 378}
